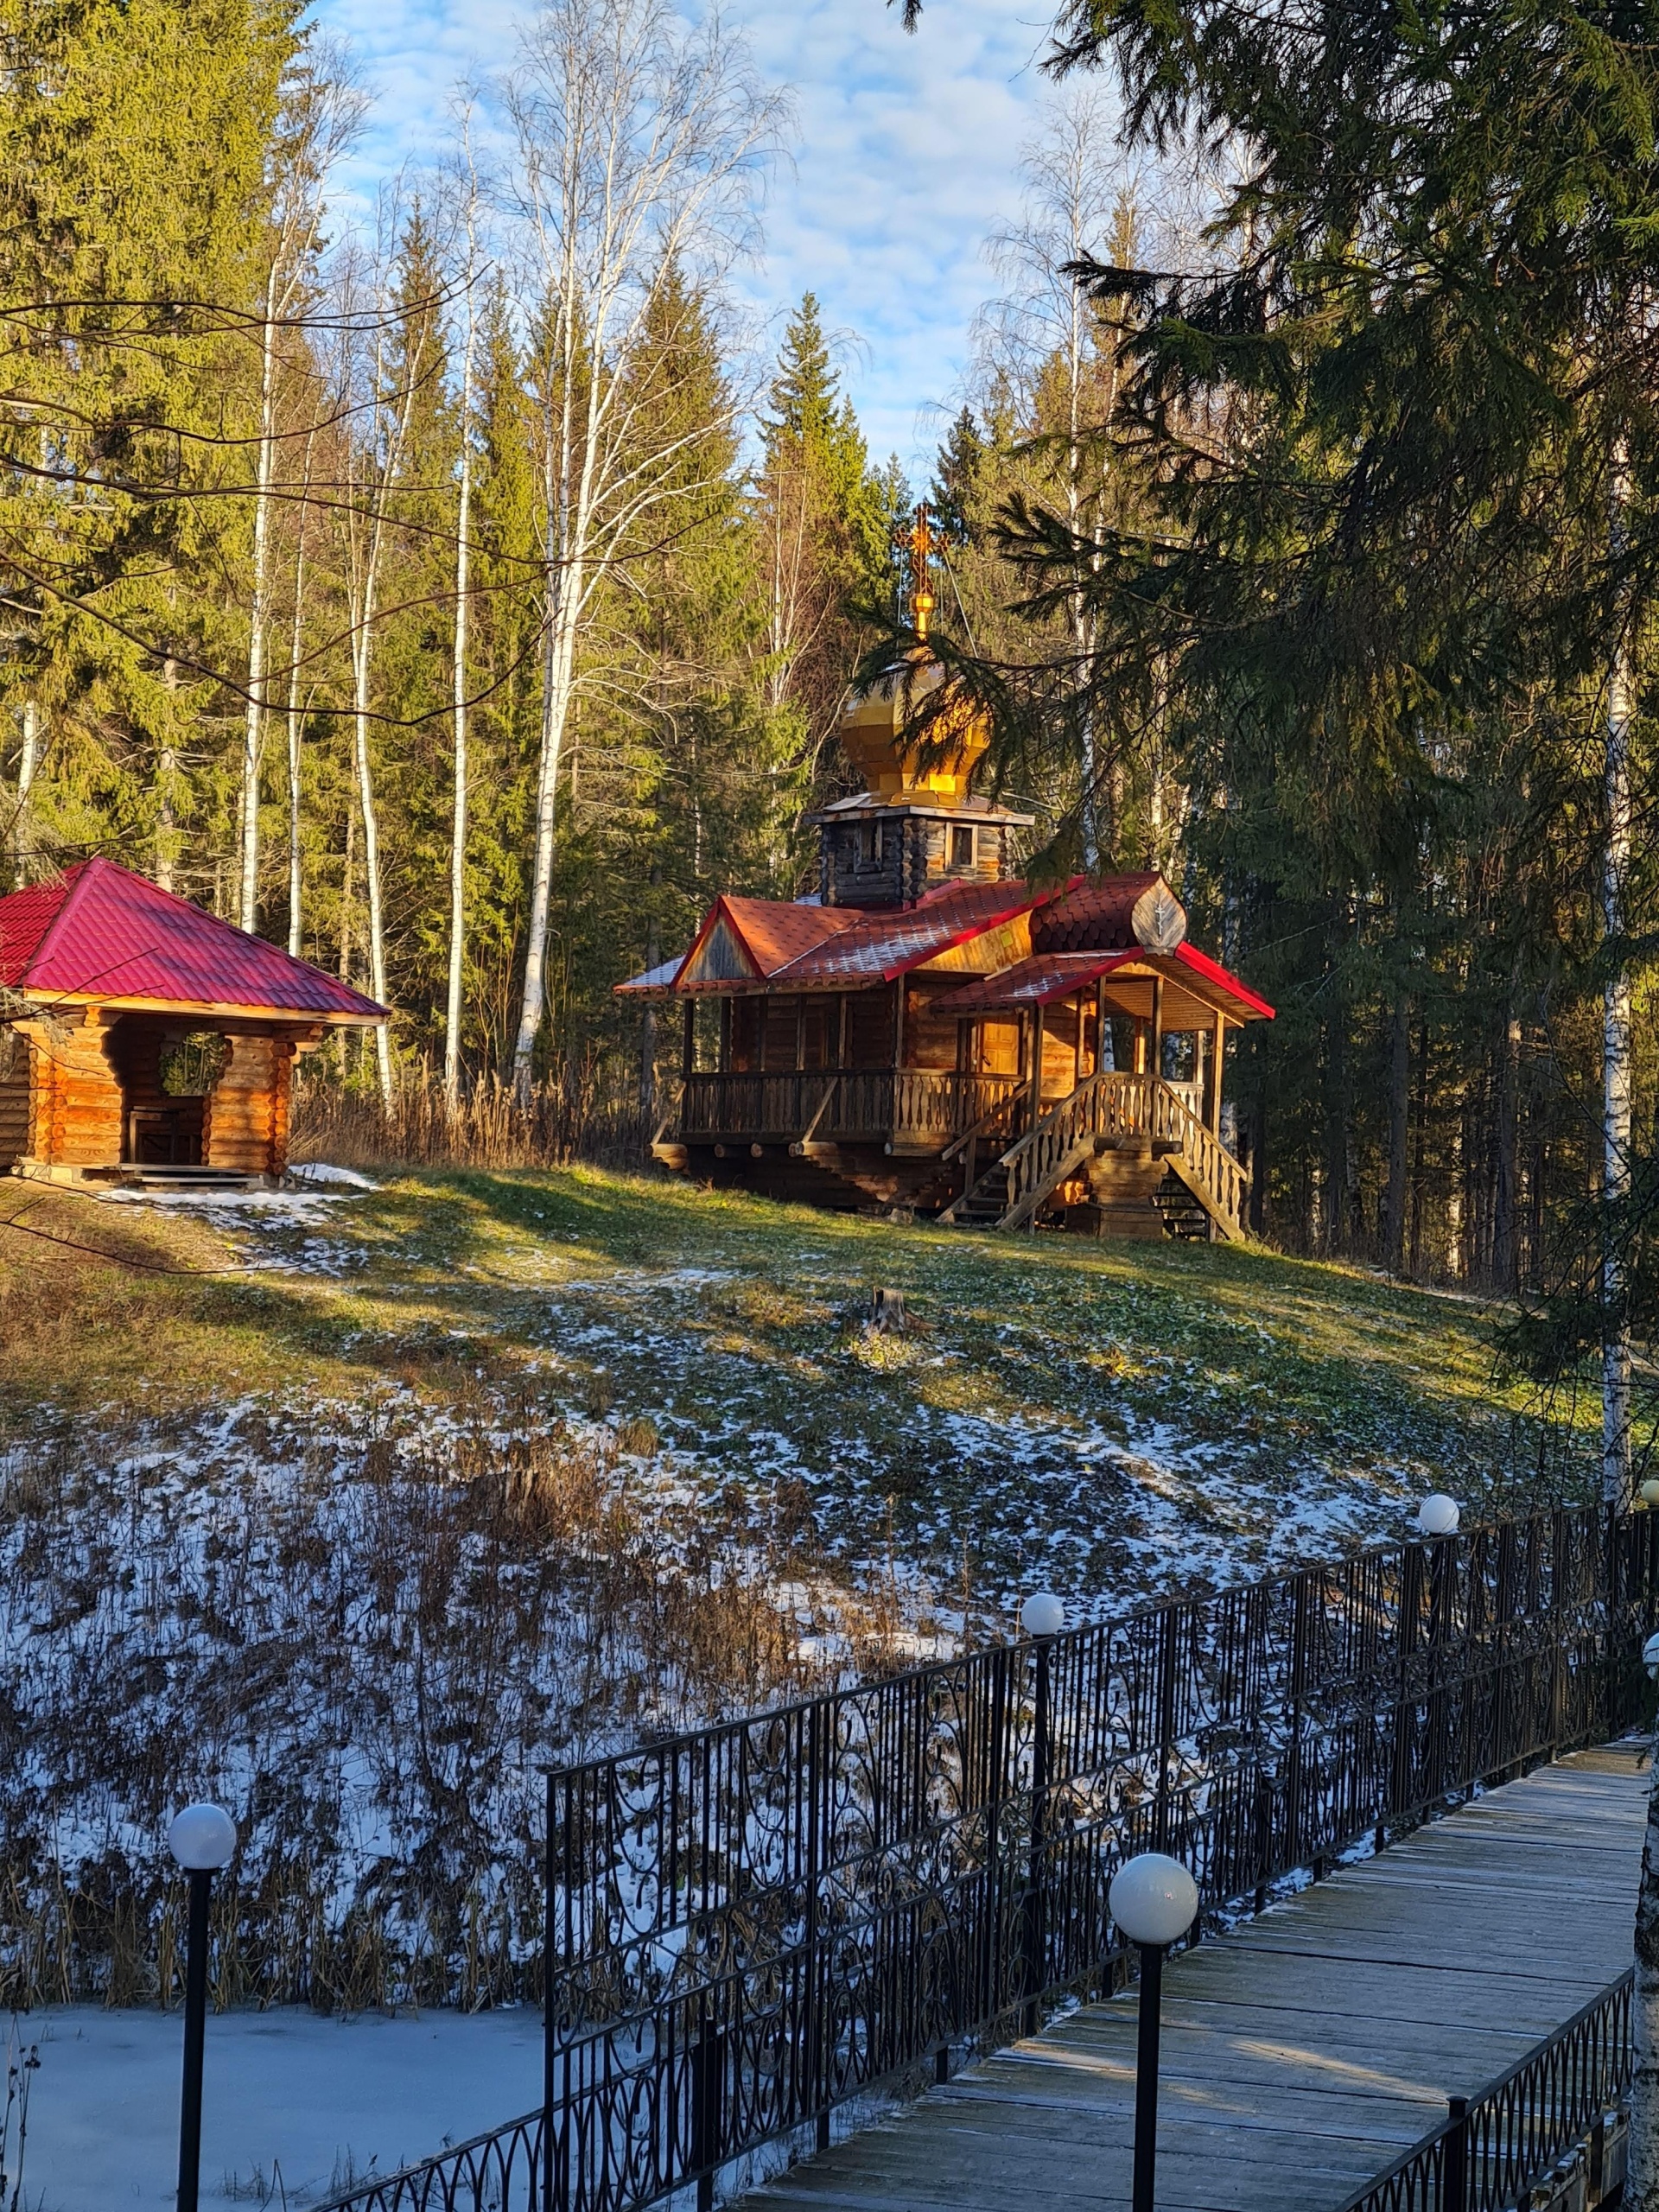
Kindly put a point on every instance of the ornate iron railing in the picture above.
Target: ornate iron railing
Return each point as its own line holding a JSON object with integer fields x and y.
{"x": 501, "y": 2172}
{"x": 1490, "y": 2148}
{"x": 750, "y": 1924}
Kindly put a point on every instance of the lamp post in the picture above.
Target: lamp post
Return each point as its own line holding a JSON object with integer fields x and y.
{"x": 1154, "y": 1900}
{"x": 202, "y": 1839}
{"x": 1043, "y": 1618}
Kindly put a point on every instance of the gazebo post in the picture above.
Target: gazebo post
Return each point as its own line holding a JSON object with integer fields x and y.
{"x": 1217, "y": 1054}
{"x": 1155, "y": 1046}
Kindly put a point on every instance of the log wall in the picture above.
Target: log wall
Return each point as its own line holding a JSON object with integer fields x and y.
{"x": 247, "y": 1114}
{"x": 75, "y": 1109}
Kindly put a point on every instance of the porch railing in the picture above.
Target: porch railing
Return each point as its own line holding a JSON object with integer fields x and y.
{"x": 909, "y": 1109}
{"x": 748, "y": 1925}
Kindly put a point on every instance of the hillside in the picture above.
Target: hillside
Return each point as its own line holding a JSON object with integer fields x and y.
{"x": 352, "y": 1504}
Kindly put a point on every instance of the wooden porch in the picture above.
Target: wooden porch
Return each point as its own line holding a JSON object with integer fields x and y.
{"x": 1113, "y": 1133}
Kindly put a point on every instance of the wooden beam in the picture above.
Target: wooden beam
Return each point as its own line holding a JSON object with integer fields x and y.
{"x": 689, "y": 1044}
{"x": 1155, "y": 1043}
{"x": 1217, "y": 1060}
{"x": 1036, "y": 1094}
{"x": 899, "y": 1026}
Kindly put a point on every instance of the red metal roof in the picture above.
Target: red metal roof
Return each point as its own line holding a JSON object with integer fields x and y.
{"x": 797, "y": 946}
{"x": 889, "y": 944}
{"x": 768, "y": 934}
{"x": 1049, "y": 975}
{"x": 1045, "y": 977}
{"x": 102, "y": 932}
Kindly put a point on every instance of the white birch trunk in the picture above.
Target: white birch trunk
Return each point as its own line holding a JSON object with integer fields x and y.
{"x": 1616, "y": 1043}
{"x": 294, "y": 734}
{"x": 253, "y": 733}
{"x": 558, "y": 667}
{"x": 569, "y": 521}
{"x": 28, "y": 763}
{"x": 360, "y": 667}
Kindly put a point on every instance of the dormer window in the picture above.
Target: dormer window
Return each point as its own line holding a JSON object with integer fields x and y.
{"x": 869, "y": 844}
{"x": 961, "y": 848}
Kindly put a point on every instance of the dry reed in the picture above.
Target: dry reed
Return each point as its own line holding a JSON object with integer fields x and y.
{"x": 589, "y": 1112}
{"x": 364, "y": 1643}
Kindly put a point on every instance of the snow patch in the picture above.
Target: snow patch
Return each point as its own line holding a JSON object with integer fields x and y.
{"x": 322, "y": 1171}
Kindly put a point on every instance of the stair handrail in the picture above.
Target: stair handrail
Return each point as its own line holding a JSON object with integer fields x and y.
{"x": 1223, "y": 1179}
{"x": 1040, "y": 1160}
{"x": 1114, "y": 1103}
{"x": 959, "y": 1143}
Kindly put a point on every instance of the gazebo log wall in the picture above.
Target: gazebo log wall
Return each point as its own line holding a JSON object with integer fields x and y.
{"x": 74, "y": 1082}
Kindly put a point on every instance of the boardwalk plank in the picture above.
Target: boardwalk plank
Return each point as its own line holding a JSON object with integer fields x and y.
{"x": 1306, "y": 2049}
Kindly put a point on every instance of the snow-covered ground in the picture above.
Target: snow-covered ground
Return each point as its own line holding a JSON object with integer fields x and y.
{"x": 430, "y": 1479}
{"x": 294, "y": 2106}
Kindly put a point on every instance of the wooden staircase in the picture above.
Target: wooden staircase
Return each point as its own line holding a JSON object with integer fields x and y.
{"x": 1146, "y": 1154}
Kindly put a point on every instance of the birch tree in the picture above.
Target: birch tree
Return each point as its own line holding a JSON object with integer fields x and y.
{"x": 641, "y": 145}
{"x": 470, "y": 273}
{"x": 296, "y": 716}
{"x": 1615, "y": 1056}
{"x": 385, "y": 358}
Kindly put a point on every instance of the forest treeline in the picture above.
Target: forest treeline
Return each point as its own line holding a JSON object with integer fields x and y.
{"x": 456, "y": 592}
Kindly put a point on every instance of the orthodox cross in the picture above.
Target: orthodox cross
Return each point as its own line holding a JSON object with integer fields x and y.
{"x": 921, "y": 548}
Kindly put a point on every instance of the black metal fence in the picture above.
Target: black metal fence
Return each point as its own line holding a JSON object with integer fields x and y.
{"x": 749, "y": 1925}
{"x": 1487, "y": 2153}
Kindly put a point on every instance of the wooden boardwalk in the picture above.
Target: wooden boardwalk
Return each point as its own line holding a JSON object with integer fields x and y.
{"x": 1305, "y": 2052}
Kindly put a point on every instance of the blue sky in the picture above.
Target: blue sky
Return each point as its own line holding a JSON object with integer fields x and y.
{"x": 905, "y": 158}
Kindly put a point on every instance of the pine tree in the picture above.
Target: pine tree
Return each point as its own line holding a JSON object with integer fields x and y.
{"x": 954, "y": 495}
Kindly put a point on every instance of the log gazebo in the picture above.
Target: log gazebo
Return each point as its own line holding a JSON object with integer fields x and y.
{"x": 142, "y": 1040}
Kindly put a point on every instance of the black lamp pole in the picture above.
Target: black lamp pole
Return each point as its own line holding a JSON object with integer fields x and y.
{"x": 1145, "y": 2077}
{"x": 195, "y": 2036}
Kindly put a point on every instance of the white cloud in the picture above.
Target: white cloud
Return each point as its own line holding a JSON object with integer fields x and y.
{"x": 905, "y": 160}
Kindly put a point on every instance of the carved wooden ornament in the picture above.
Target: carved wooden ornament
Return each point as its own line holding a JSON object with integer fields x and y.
{"x": 1158, "y": 919}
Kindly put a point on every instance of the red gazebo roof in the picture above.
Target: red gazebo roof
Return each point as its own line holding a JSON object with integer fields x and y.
{"x": 103, "y": 934}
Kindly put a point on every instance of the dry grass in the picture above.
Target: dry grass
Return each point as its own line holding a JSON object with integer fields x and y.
{"x": 366, "y": 1647}
{"x": 583, "y": 1116}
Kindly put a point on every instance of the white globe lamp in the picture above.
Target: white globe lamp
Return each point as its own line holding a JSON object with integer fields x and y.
{"x": 1154, "y": 1900}
{"x": 202, "y": 1838}
{"x": 1650, "y": 1656}
{"x": 1042, "y": 1614}
{"x": 1438, "y": 1514}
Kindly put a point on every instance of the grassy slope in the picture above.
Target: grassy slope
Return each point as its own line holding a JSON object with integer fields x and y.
{"x": 1114, "y": 1419}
